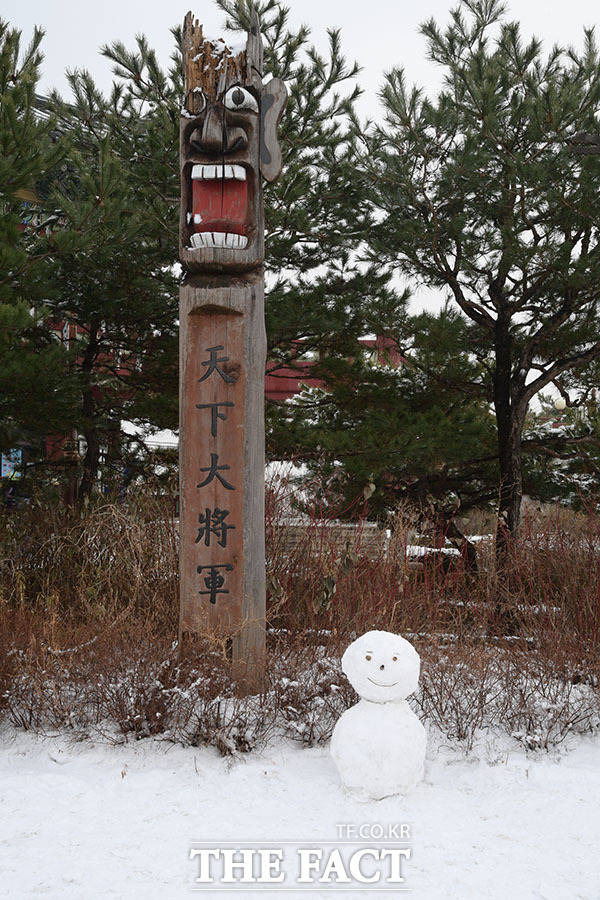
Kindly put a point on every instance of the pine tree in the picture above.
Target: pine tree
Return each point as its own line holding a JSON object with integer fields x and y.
{"x": 32, "y": 364}
{"x": 485, "y": 199}
{"x": 118, "y": 203}
{"x": 322, "y": 296}
{"x": 562, "y": 447}
{"x": 111, "y": 280}
{"x": 401, "y": 431}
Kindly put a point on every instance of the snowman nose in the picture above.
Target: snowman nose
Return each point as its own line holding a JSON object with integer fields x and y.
{"x": 382, "y": 667}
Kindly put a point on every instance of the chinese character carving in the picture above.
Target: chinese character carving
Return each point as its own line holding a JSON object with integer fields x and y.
{"x": 213, "y": 365}
{"x": 212, "y": 522}
{"x": 213, "y": 472}
{"x": 215, "y": 414}
{"x": 214, "y": 581}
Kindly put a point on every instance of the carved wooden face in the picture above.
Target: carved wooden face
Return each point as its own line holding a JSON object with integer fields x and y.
{"x": 228, "y": 136}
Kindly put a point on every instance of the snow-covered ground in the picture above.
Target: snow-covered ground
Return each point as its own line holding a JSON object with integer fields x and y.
{"x": 87, "y": 821}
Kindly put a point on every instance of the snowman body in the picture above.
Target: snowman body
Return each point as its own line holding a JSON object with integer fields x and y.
{"x": 379, "y": 744}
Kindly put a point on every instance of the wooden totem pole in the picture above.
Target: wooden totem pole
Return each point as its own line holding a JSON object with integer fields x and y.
{"x": 228, "y": 140}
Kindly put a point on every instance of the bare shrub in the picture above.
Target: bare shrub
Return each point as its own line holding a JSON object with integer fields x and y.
{"x": 311, "y": 697}
{"x": 88, "y": 619}
{"x": 95, "y": 563}
{"x": 460, "y": 689}
{"x": 542, "y": 704}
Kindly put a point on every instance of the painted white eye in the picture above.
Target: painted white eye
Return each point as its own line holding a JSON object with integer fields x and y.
{"x": 239, "y": 98}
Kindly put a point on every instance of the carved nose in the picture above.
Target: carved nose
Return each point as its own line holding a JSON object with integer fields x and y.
{"x": 382, "y": 667}
{"x": 215, "y": 137}
{"x": 212, "y": 138}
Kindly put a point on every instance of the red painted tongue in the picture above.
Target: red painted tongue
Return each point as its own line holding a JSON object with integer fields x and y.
{"x": 222, "y": 205}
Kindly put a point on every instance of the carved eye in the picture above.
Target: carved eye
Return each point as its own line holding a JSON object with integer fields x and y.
{"x": 367, "y": 656}
{"x": 239, "y": 98}
{"x": 199, "y": 98}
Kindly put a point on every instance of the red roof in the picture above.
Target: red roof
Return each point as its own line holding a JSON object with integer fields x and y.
{"x": 283, "y": 382}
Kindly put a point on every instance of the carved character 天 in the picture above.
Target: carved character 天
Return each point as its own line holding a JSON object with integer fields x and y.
{"x": 212, "y": 364}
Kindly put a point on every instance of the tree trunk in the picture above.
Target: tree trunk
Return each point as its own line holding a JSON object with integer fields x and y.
{"x": 510, "y": 417}
{"x": 88, "y": 407}
{"x": 462, "y": 543}
{"x": 511, "y": 486}
{"x": 90, "y": 464}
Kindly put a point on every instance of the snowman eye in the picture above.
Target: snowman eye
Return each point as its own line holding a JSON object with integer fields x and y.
{"x": 239, "y": 98}
{"x": 367, "y": 656}
{"x": 395, "y": 658}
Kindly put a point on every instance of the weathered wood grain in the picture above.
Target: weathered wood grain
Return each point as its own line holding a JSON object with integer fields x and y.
{"x": 209, "y": 67}
{"x": 231, "y": 316}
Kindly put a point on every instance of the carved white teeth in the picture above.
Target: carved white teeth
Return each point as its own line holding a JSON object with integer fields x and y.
{"x": 206, "y": 173}
{"x": 200, "y": 240}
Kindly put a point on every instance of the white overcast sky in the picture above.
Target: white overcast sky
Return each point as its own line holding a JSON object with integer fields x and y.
{"x": 378, "y": 33}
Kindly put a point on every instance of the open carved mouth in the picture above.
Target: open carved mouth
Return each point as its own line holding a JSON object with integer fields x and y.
{"x": 219, "y": 201}
{"x": 381, "y": 683}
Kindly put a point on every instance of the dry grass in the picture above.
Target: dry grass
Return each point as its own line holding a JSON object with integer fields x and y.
{"x": 88, "y": 621}
{"x": 108, "y": 560}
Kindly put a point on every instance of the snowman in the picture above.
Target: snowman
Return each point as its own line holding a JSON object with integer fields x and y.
{"x": 379, "y": 744}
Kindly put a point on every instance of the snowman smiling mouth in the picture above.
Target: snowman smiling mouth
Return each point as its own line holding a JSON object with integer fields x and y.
{"x": 382, "y": 683}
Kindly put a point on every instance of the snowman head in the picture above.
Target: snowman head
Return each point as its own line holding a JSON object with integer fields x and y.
{"x": 382, "y": 666}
